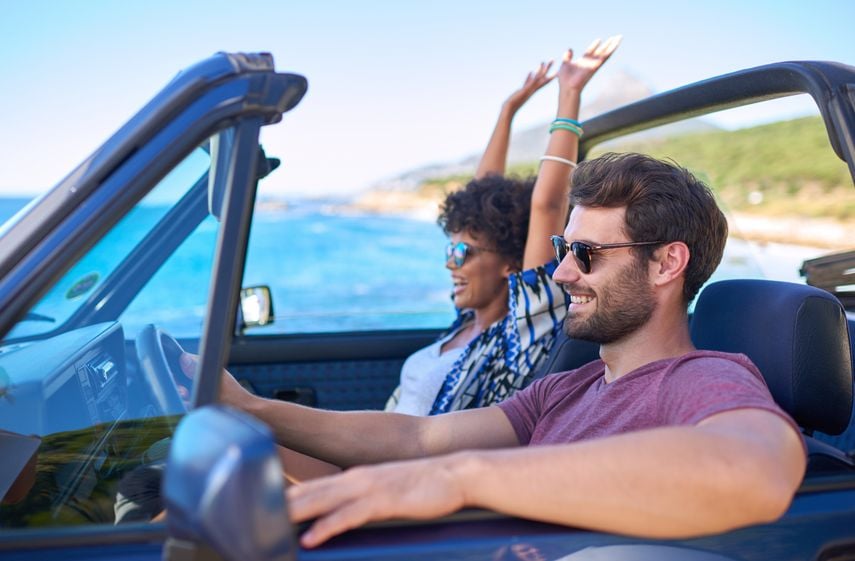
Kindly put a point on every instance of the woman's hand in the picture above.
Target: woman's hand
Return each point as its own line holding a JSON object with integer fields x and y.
{"x": 533, "y": 82}
{"x": 494, "y": 160}
{"x": 572, "y": 77}
{"x": 574, "y": 74}
{"x": 549, "y": 206}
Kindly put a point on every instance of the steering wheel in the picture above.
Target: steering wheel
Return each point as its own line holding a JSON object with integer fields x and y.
{"x": 159, "y": 354}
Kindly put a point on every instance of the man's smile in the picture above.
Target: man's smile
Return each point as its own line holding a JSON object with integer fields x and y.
{"x": 574, "y": 299}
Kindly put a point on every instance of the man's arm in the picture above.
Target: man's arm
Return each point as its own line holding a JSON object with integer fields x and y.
{"x": 349, "y": 438}
{"x": 363, "y": 437}
{"x": 733, "y": 469}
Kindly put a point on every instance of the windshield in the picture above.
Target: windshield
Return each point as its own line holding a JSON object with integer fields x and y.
{"x": 91, "y": 385}
{"x": 84, "y": 278}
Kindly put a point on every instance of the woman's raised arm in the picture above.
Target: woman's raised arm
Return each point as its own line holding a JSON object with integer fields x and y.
{"x": 495, "y": 157}
{"x": 549, "y": 201}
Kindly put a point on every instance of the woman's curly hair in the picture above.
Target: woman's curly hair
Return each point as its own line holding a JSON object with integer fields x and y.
{"x": 494, "y": 209}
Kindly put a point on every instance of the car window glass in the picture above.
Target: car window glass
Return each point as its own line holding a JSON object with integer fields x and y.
{"x": 87, "y": 406}
{"x": 175, "y": 296}
{"x": 786, "y": 195}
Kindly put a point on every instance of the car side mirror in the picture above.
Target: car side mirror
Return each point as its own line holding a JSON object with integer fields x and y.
{"x": 256, "y": 307}
{"x": 224, "y": 490}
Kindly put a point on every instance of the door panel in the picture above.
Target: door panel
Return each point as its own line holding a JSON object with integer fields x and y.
{"x": 333, "y": 371}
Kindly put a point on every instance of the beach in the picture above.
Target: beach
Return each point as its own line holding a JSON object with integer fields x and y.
{"x": 820, "y": 233}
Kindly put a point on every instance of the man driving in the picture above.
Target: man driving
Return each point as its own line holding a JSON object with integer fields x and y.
{"x": 655, "y": 439}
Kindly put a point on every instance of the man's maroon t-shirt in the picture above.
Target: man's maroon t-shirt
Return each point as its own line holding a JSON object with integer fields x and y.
{"x": 579, "y": 404}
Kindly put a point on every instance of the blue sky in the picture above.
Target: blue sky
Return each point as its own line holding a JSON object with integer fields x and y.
{"x": 392, "y": 85}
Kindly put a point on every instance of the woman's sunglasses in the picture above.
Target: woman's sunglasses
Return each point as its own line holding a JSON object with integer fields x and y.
{"x": 459, "y": 251}
{"x": 584, "y": 252}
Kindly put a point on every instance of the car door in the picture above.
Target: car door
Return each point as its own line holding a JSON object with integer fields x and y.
{"x": 89, "y": 398}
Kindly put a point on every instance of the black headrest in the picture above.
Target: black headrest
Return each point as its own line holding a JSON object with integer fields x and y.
{"x": 795, "y": 334}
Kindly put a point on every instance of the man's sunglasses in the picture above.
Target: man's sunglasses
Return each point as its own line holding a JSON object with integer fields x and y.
{"x": 461, "y": 250}
{"x": 583, "y": 252}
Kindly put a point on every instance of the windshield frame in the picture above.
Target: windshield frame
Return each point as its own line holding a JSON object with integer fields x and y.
{"x": 823, "y": 81}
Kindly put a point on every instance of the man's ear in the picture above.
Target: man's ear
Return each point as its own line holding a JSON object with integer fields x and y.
{"x": 669, "y": 262}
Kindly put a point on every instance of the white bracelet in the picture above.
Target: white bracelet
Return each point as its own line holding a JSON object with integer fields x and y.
{"x": 559, "y": 160}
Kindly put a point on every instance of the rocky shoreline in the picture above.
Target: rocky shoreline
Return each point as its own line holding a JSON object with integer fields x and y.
{"x": 416, "y": 205}
{"x": 814, "y": 232}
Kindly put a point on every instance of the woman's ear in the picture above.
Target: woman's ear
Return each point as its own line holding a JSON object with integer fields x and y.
{"x": 511, "y": 267}
{"x": 670, "y": 262}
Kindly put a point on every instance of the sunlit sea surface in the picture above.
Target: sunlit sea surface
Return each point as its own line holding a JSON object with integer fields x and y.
{"x": 334, "y": 272}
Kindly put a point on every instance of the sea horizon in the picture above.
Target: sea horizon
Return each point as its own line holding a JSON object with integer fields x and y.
{"x": 413, "y": 290}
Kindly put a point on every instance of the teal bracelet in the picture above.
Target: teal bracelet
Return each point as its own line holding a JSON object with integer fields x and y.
{"x": 574, "y": 129}
{"x": 564, "y": 124}
{"x": 571, "y": 121}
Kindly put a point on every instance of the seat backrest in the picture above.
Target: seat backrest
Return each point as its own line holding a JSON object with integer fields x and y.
{"x": 797, "y": 336}
{"x": 567, "y": 354}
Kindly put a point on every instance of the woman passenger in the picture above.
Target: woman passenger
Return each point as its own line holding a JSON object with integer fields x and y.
{"x": 501, "y": 262}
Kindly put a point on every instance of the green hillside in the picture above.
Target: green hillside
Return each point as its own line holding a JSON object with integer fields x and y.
{"x": 782, "y": 169}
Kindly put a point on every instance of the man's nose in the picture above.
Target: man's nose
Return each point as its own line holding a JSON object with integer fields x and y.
{"x": 567, "y": 271}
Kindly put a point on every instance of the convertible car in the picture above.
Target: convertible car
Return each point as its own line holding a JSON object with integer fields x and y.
{"x": 100, "y": 430}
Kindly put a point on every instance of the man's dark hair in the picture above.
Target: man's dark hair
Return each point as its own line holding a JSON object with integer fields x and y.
{"x": 494, "y": 209}
{"x": 663, "y": 202}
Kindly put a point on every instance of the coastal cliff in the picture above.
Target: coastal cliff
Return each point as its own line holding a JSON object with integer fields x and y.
{"x": 779, "y": 182}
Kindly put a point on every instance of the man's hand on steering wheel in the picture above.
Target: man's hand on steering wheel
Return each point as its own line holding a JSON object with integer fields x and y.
{"x": 231, "y": 392}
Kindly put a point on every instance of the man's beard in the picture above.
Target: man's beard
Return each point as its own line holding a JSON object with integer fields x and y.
{"x": 623, "y": 306}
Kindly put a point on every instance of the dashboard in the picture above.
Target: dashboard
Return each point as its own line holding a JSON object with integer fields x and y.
{"x": 71, "y": 436}
{"x": 64, "y": 383}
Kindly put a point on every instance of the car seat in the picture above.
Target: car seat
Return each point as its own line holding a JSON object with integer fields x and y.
{"x": 567, "y": 354}
{"x": 797, "y": 335}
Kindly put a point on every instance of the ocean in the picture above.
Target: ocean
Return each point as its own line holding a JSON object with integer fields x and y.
{"x": 333, "y": 272}
{"x": 327, "y": 272}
